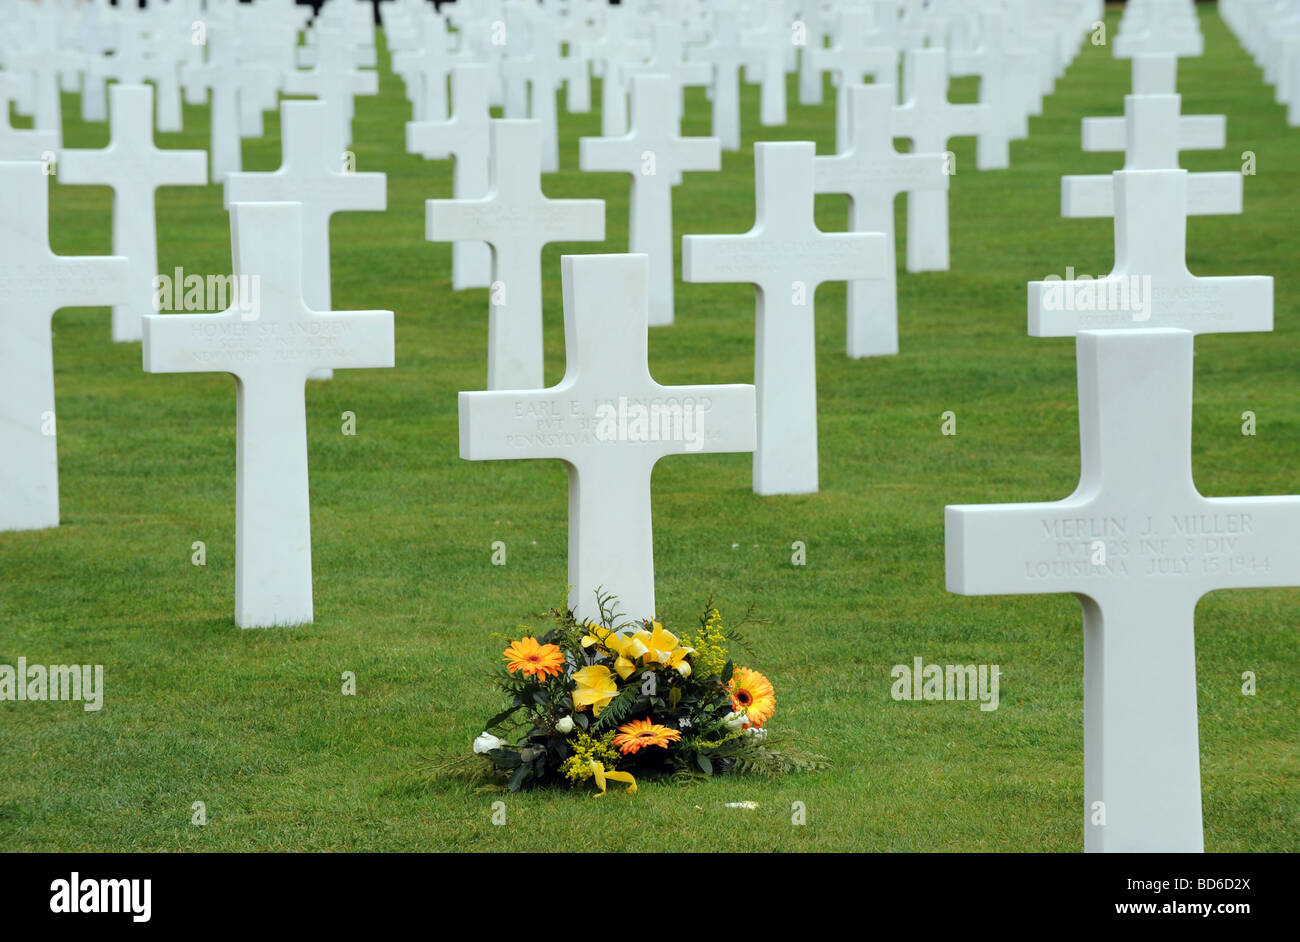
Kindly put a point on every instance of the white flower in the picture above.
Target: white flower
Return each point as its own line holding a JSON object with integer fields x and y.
{"x": 736, "y": 720}
{"x": 755, "y": 733}
{"x": 486, "y": 742}
{"x": 565, "y": 725}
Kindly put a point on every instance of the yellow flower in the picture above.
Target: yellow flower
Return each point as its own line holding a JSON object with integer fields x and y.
{"x": 710, "y": 644}
{"x": 596, "y": 635}
{"x": 641, "y": 733}
{"x": 540, "y": 660}
{"x": 662, "y": 648}
{"x": 596, "y": 687}
{"x": 628, "y": 650}
{"x": 589, "y": 752}
{"x": 752, "y": 694}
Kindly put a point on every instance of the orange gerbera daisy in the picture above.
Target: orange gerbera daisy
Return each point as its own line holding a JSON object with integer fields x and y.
{"x": 540, "y": 660}
{"x": 639, "y": 733}
{"x": 752, "y": 694}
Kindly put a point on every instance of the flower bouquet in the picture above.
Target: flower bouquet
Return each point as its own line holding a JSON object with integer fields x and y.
{"x": 592, "y": 703}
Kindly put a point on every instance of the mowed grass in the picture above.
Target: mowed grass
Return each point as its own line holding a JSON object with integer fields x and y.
{"x": 253, "y": 723}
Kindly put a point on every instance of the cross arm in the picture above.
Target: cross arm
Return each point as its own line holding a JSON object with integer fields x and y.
{"x": 363, "y": 192}
{"x": 90, "y": 281}
{"x": 697, "y": 153}
{"x": 867, "y": 177}
{"x": 78, "y": 167}
{"x": 1251, "y": 542}
{"x": 610, "y": 154}
{"x": 172, "y": 341}
{"x": 1208, "y": 194}
{"x": 435, "y": 140}
{"x": 1020, "y": 549}
{"x": 712, "y": 259}
{"x": 1195, "y": 132}
{"x": 452, "y": 220}
{"x": 569, "y": 220}
{"x": 1242, "y": 304}
{"x": 353, "y": 339}
{"x": 497, "y": 424}
{"x": 722, "y": 418}
{"x": 917, "y": 123}
{"x": 184, "y": 168}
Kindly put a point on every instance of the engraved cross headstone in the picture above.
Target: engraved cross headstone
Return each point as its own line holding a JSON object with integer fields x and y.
{"x": 786, "y": 257}
{"x": 860, "y": 52}
{"x": 34, "y": 283}
{"x": 655, "y": 156}
{"x": 610, "y": 422}
{"x": 928, "y": 119}
{"x": 872, "y": 173}
{"x": 134, "y": 168}
{"x": 517, "y": 220}
{"x": 270, "y": 340}
{"x": 1139, "y": 546}
{"x": 466, "y": 137}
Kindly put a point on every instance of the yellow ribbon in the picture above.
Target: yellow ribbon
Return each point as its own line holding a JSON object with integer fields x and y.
{"x": 600, "y": 774}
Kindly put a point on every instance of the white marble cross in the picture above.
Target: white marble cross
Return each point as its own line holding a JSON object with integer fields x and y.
{"x": 612, "y": 56}
{"x": 336, "y": 83}
{"x": 517, "y": 220}
{"x": 786, "y": 257}
{"x": 655, "y": 156}
{"x": 539, "y": 70}
{"x": 259, "y": 90}
{"x": 872, "y": 173}
{"x": 34, "y": 283}
{"x": 134, "y": 168}
{"x": 517, "y": 23}
{"x": 668, "y": 61}
{"x": 426, "y": 68}
{"x": 220, "y": 75}
{"x": 610, "y": 422}
{"x": 725, "y": 55}
{"x": 858, "y": 54}
{"x": 815, "y": 30}
{"x": 575, "y": 70}
{"x": 929, "y": 120}
{"x": 1151, "y": 134}
{"x": 1150, "y": 285}
{"x": 465, "y": 137}
{"x": 270, "y": 340}
{"x": 1138, "y": 545}
{"x": 311, "y": 174}
{"x": 771, "y": 43}
{"x": 1008, "y": 77}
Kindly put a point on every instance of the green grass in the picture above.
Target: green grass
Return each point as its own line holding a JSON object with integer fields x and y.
{"x": 253, "y": 724}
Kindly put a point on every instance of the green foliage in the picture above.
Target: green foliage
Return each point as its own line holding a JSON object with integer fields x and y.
{"x": 622, "y": 707}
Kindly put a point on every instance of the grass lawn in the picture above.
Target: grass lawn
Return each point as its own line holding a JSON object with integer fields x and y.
{"x": 253, "y": 724}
